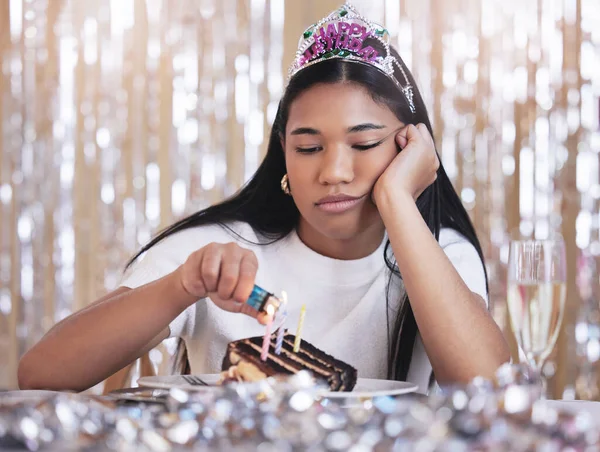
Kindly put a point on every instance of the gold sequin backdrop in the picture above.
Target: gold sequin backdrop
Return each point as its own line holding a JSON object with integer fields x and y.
{"x": 118, "y": 117}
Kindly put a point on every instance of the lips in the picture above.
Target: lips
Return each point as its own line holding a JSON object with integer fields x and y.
{"x": 338, "y": 203}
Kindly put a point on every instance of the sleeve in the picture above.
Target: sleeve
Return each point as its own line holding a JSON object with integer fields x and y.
{"x": 468, "y": 265}
{"x": 160, "y": 260}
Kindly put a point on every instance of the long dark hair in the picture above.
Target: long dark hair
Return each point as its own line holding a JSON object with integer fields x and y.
{"x": 272, "y": 214}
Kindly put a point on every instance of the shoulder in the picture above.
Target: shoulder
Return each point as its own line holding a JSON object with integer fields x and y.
{"x": 449, "y": 236}
{"x": 179, "y": 245}
{"x": 454, "y": 242}
{"x": 457, "y": 245}
{"x": 172, "y": 251}
{"x": 193, "y": 238}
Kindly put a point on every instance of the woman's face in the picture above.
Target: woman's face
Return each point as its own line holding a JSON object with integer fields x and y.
{"x": 338, "y": 141}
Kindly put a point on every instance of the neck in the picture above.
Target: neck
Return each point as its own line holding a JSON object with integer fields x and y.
{"x": 352, "y": 248}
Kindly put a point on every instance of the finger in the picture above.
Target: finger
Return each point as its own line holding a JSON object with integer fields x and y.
{"x": 428, "y": 139}
{"x": 210, "y": 268}
{"x": 412, "y": 133}
{"x": 422, "y": 128}
{"x": 401, "y": 140}
{"x": 246, "y": 277}
{"x": 264, "y": 318}
{"x": 230, "y": 270}
{"x": 248, "y": 310}
{"x": 427, "y": 134}
{"x": 403, "y": 131}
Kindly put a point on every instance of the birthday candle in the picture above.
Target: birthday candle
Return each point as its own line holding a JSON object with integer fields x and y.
{"x": 299, "y": 330}
{"x": 280, "y": 334}
{"x": 266, "y": 341}
{"x": 281, "y": 330}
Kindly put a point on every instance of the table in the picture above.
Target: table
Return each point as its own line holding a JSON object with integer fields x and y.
{"x": 290, "y": 418}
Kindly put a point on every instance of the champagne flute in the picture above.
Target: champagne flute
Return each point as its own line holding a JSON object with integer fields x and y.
{"x": 536, "y": 297}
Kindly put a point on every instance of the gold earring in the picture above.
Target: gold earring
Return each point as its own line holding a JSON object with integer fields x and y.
{"x": 285, "y": 185}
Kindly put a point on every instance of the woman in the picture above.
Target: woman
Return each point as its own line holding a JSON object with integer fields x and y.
{"x": 351, "y": 213}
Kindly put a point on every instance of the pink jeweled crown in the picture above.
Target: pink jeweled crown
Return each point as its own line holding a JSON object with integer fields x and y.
{"x": 342, "y": 34}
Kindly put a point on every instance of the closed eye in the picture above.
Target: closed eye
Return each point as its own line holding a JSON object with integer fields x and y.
{"x": 308, "y": 150}
{"x": 358, "y": 147}
{"x": 366, "y": 147}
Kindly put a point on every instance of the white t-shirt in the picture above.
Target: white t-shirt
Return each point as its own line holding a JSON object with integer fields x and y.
{"x": 345, "y": 300}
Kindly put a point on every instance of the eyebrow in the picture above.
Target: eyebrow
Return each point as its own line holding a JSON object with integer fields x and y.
{"x": 353, "y": 129}
{"x": 365, "y": 126}
{"x": 305, "y": 131}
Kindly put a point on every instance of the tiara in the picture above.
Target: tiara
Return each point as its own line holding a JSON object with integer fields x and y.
{"x": 342, "y": 34}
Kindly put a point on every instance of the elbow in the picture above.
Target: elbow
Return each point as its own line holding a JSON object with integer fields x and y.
{"x": 504, "y": 355}
{"x": 486, "y": 367}
{"x": 33, "y": 373}
{"x": 501, "y": 355}
{"x": 27, "y": 373}
{"x": 36, "y": 373}
{"x": 493, "y": 355}
{"x": 489, "y": 368}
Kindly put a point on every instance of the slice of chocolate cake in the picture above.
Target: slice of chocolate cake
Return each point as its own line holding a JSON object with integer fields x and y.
{"x": 242, "y": 361}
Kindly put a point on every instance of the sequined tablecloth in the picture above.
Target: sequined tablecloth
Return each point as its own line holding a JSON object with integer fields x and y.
{"x": 288, "y": 415}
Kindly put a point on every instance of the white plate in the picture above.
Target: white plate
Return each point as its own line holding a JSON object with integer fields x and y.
{"x": 365, "y": 387}
{"x": 33, "y": 395}
{"x": 371, "y": 387}
{"x": 573, "y": 406}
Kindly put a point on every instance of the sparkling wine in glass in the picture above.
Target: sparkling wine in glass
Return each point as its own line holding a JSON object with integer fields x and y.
{"x": 536, "y": 296}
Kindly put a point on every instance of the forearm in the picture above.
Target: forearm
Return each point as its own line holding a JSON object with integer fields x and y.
{"x": 460, "y": 337}
{"x": 94, "y": 343}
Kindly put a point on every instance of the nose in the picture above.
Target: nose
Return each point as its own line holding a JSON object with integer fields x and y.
{"x": 337, "y": 166}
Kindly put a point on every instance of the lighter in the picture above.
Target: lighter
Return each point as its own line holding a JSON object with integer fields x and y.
{"x": 263, "y": 301}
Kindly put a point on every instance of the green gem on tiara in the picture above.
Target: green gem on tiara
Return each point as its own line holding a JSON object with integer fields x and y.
{"x": 344, "y": 53}
{"x": 309, "y": 32}
{"x": 343, "y": 12}
{"x": 380, "y": 31}
{"x": 328, "y": 55}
